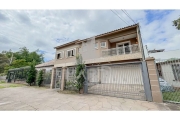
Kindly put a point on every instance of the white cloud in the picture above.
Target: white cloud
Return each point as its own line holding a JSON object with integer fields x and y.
{"x": 40, "y": 29}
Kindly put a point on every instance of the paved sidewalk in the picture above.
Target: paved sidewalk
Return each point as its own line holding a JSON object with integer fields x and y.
{"x": 33, "y": 99}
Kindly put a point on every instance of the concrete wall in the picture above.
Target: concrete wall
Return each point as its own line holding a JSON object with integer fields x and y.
{"x": 154, "y": 80}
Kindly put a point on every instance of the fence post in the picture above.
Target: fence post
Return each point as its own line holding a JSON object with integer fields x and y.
{"x": 154, "y": 80}
{"x": 146, "y": 82}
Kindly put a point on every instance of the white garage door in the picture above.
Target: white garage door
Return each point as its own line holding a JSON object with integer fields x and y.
{"x": 117, "y": 80}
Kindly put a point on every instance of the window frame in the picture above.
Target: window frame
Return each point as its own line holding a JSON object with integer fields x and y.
{"x": 73, "y": 71}
{"x": 104, "y": 45}
{"x": 60, "y": 55}
{"x": 72, "y": 50}
{"x": 95, "y": 45}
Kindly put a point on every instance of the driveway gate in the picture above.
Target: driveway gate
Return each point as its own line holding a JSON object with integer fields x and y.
{"x": 119, "y": 80}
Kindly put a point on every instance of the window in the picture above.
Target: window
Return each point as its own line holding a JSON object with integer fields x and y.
{"x": 71, "y": 52}
{"x": 176, "y": 71}
{"x": 96, "y": 45}
{"x": 125, "y": 46}
{"x": 71, "y": 71}
{"x": 59, "y": 56}
{"x": 103, "y": 44}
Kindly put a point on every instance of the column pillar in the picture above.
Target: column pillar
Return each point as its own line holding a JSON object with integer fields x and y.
{"x": 63, "y": 79}
{"x": 154, "y": 80}
{"x": 53, "y": 76}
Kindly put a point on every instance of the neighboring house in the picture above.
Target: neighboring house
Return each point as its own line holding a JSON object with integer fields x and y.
{"x": 166, "y": 54}
{"x": 155, "y": 51}
{"x": 168, "y": 63}
{"x": 47, "y": 68}
{"x": 169, "y": 70}
{"x": 112, "y": 59}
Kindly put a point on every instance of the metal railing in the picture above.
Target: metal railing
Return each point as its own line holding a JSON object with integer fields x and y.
{"x": 169, "y": 79}
{"x": 121, "y": 50}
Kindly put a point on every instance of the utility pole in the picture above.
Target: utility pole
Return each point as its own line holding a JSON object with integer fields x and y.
{"x": 147, "y": 50}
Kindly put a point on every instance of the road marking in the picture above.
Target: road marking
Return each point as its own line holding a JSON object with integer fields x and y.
{"x": 5, "y": 103}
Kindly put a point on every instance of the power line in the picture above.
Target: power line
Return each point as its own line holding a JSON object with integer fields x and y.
{"x": 119, "y": 16}
{"x": 128, "y": 15}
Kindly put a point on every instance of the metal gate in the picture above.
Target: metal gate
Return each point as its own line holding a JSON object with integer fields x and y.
{"x": 58, "y": 78}
{"x": 169, "y": 79}
{"x": 119, "y": 80}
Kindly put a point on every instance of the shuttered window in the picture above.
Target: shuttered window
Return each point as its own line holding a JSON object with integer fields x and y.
{"x": 71, "y": 52}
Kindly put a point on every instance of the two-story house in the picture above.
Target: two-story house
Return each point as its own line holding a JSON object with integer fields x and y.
{"x": 113, "y": 60}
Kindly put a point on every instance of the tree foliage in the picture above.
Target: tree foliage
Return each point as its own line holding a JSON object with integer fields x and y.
{"x": 31, "y": 75}
{"x": 80, "y": 72}
{"x": 40, "y": 78}
{"x": 16, "y": 64}
{"x": 21, "y": 58}
{"x": 3, "y": 62}
{"x": 176, "y": 23}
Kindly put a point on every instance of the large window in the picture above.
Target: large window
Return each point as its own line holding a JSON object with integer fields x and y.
{"x": 125, "y": 46}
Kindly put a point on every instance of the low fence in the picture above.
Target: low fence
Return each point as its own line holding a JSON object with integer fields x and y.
{"x": 169, "y": 79}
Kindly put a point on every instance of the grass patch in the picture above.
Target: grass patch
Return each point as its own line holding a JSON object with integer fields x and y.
{"x": 2, "y": 81}
{"x": 8, "y": 85}
{"x": 171, "y": 96}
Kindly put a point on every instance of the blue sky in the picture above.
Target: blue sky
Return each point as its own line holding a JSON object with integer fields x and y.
{"x": 45, "y": 29}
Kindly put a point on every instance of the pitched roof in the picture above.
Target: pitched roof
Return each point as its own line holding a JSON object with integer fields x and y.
{"x": 46, "y": 64}
{"x": 100, "y": 35}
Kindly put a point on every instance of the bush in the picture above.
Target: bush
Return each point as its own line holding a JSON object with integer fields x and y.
{"x": 80, "y": 72}
{"x": 31, "y": 75}
{"x": 40, "y": 78}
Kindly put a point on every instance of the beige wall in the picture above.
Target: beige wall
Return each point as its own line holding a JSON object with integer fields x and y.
{"x": 68, "y": 59}
{"x": 154, "y": 80}
{"x": 91, "y": 55}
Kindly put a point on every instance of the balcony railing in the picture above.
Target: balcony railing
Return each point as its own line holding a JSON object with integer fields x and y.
{"x": 121, "y": 50}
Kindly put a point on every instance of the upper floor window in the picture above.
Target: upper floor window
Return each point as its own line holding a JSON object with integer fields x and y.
{"x": 96, "y": 45}
{"x": 71, "y": 52}
{"x": 103, "y": 44}
{"x": 59, "y": 55}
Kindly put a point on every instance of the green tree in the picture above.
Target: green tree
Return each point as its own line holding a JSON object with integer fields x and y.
{"x": 22, "y": 58}
{"x": 80, "y": 72}
{"x": 31, "y": 75}
{"x": 16, "y": 64}
{"x": 40, "y": 78}
{"x": 176, "y": 23}
{"x": 3, "y": 62}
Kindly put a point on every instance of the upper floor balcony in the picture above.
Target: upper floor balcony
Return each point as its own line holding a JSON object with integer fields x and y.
{"x": 121, "y": 50}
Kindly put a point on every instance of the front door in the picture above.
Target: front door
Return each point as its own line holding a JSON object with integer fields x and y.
{"x": 58, "y": 78}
